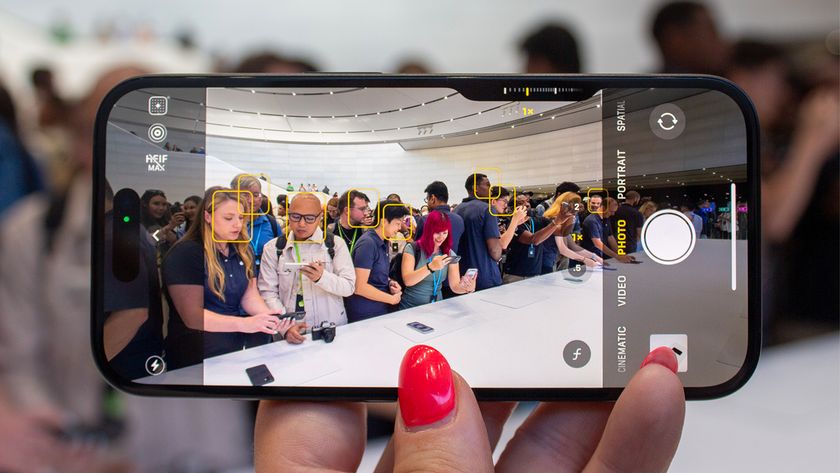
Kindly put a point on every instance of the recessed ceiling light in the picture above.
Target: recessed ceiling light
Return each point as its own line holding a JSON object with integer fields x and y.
{"x": 253, "y": 91}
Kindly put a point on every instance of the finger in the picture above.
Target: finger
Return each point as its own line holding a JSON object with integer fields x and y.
{"x": 564, "y": 436}
{"x": 644, "y": 428}
{"x": 555, "y": 437}
{"x": 439, "y": 427}
{"x": 286, "y": 431}
{"x": 495, "y": 414}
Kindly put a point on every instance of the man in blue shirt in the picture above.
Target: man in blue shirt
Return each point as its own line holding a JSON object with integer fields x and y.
{"x": 375, "y": 290}
{"x": 597, "y": 235}
{"x": 437, "y": 196}
{"x": 482, "y": 244}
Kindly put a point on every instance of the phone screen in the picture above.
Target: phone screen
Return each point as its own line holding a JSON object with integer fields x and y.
{"x": 644, "y": 173}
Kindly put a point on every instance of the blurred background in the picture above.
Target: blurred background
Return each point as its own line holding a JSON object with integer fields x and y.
{"x": 58, "y": 59}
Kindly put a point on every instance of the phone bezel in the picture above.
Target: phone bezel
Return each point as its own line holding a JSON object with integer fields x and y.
{"x": 471, "y": 86}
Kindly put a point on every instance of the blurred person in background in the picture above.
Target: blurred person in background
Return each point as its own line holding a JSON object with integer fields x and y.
{"x": 800, "y": 139}
{"x": 50, "y": 138}
{"x": 647, "y": 209}
{"x": 19, "y": 174}
{"x": 271, "y": 63}
{"x": 156, "y": 219}
{"x": 413, "y": 66}
{"x": 52, "y": 109}
{"x": 45, "y": 359}
{"x": 332, "y": 210}
{"x": 688, "y": 39}
{"x": 552, "y": 48}
{"x": 190, "y": 207}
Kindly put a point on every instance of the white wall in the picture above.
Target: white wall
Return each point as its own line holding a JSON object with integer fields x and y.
{"x": 570, "y": 154}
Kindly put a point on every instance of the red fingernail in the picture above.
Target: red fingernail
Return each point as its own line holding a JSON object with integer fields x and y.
{"x": 426, "y": 390}
{"x": 662, "y": 356}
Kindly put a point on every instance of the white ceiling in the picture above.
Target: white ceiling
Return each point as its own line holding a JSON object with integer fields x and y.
{"x": 360, "y": 115}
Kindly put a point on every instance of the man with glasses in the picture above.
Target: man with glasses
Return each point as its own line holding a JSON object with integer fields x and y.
{"x": 352, "y": 217}
{"x": 310, "y": 272}
{"x": 482, "y": 244}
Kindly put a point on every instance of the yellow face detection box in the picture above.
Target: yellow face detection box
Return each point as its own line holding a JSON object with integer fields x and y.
{"x": 350, "y": 206}
{"x": 598, "y": 191}
{"x": 288, "y": 229}
{"x": 475, "y": 181}
{"x": 213, "y": 215}
{"x": 267, "y": 196}
{"x": 512, "y": 199}
{"x": 410, "y": 226}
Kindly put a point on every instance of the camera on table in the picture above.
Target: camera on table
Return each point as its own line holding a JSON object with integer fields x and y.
{"x": 325, "y": 332}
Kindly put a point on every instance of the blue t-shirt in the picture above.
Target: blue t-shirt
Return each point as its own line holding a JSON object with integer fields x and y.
{"x": 18, "y": 172}
{"x": 430, "y": 287}
{"x": 371, "y": 253}
{"x": 456, "y": 221}
{"x": 595, "y": 227}
{"x": 261, "y": 233}
{"x": 479, "y": 226}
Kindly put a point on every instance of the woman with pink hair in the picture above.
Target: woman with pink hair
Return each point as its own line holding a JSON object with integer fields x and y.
{"x": 428, "y": 261}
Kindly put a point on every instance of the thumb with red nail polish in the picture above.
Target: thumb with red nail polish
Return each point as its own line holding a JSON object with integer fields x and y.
{"x": 439, "y": 426}
{"x": 662, "y": 356}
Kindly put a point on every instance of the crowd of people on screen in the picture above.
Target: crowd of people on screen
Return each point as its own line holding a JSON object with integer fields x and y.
{"x": 238, "y": 271}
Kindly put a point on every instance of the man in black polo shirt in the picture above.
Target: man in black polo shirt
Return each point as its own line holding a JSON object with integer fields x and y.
{"x": 352, "y": 217}
{"x": 524, "y": 258}
{"x": 597, "y": 234}
{"x": 632, "y": 221}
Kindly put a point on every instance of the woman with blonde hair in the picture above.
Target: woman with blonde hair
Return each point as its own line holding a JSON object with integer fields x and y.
{"x": 647, "y": 209}
{"x": 210, "y": 285}
{"x": 566, "y": 207}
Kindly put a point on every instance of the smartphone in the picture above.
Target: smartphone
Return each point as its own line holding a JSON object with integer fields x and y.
{"x": 471, "y": 273}
{"x": 454, "y": 259}
{"x": 422, "y": 328}
{"x": 259, "y": 375}
{"x": 668, "y": 140}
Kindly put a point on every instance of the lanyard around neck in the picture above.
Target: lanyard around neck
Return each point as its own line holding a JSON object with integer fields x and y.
{"x": 355, "y": 235}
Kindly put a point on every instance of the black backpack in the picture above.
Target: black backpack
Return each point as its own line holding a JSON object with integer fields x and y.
{"x": 329, "y": 241}
{"x": 395, "y": 271}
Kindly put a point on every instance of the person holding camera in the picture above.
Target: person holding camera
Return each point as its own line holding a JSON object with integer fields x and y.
{"x": 309, "y": 272}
